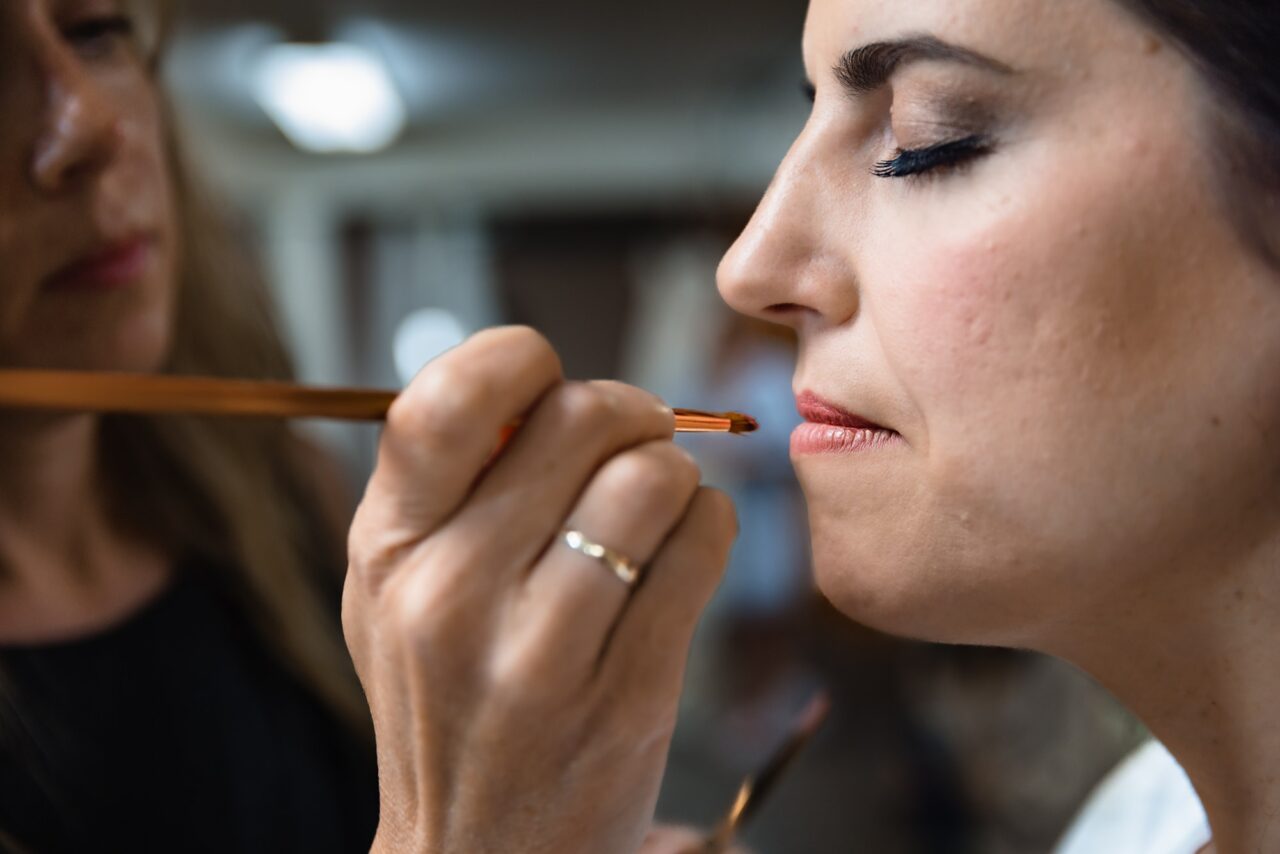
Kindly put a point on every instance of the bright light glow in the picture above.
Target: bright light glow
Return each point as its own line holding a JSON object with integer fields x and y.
{"x": 423, "y": 336}
{"x": 330, "y": 98}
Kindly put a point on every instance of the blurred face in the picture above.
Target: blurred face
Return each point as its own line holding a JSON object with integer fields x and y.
{"x": 1042, "y": 370}
{"x": 87, "y": 236}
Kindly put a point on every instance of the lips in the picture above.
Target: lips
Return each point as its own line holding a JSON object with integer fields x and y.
{"x": 830, "y": 429}
{"x": 108, "y": 267}
{"x": 815, "y": 409}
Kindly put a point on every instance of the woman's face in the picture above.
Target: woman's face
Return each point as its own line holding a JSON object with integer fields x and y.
{"x": 88, "y": 241}
{"x": 1002, "y": 237}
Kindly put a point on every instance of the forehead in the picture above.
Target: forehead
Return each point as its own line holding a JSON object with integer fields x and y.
{"x": 1022, "y": 33}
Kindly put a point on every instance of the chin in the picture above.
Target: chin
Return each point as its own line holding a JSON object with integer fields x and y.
{"x": 871, "y": 587}
{"x": 128, "y": 331}
{"x": 920, "y": 584}
{"x": 142, "y": 347}
{"x": 137, "y": 343}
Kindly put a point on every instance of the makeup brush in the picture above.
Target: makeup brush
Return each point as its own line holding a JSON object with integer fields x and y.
{"x": 69, "y": 391}
{"x": 755, "y": 789}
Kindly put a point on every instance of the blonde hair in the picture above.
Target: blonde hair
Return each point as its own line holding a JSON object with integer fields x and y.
{"x": 238, "y": 494}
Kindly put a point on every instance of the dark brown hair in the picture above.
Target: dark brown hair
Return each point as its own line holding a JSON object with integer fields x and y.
{"x": 1234, "y": 45}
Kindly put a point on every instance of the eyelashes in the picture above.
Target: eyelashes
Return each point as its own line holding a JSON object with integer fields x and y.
{"x": 934, "y": 159}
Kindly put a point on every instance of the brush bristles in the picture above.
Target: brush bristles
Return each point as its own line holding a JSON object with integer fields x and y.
{"x": 740, "y": 424}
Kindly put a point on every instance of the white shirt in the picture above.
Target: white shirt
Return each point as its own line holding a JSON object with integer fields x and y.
{"x": 1145, "y": 806}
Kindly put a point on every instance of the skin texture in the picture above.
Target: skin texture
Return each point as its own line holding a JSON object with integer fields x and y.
{"x": 81, "y": 165}
{"x": 91, "y": 171}
{"x": 1078, "y": 350}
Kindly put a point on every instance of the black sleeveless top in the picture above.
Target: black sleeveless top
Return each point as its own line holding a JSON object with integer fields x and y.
{"x": 176, "y": 731}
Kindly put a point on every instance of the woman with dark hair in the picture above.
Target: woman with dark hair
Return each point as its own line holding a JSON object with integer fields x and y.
{"x": 1032, "y": 251}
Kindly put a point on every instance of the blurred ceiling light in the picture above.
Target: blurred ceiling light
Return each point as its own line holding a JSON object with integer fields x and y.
{"x": 330, "y": 98}
{"x": 422, "y": 336}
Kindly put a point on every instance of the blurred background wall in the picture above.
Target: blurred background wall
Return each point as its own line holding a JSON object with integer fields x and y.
{"x": 580, "y": 167}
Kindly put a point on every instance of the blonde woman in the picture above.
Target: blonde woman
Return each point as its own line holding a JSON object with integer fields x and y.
{"x": 172, "y": 670}
{"x": 172, "y": 673}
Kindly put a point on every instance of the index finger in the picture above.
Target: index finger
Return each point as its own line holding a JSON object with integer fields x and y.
{"x": 444, "y": 427}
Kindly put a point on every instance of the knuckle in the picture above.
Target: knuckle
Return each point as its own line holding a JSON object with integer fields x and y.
{"x": 444, "y": 396}
{"x": 524, "y": 336}
{"x": 368, "y": 564}
{"x": 512, "y": 334}
{"x": 523, "y": 344}
{"x": 406, "y": 416}
{"x": 375, "y": 544}
{"x": 629, "y": 394}
{"x": 506, "y": 665}
{"x": 530, "y": 663}
{"x": 645, "y": 409}
{"x": 435, "y": 414}
{"x": 582, "y": 403}
{"x": 646, "y": 479}
{"x": 365, "y": 551}
{"x": 444, "y": 400}
{"x": 425, "y": 619}
{"x": 509, "y": 677}
{"x": 431, "y": 598}
{"x": 412, "y": 614}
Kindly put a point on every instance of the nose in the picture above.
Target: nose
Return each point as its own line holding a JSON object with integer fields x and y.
{"x": 791, "y": 265}
{"x": 81, "y": 130}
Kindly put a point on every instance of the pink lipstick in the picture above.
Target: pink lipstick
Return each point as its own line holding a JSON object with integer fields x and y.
{"x": 829, "y": 429}
{"x": 109, "y": 268}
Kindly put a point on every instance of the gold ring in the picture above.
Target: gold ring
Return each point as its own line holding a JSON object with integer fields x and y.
{"x": 624, "y": 568}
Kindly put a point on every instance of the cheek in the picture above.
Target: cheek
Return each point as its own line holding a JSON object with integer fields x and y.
{"x": 1065, "y": 345}
{"x": 979, "y": 327}
{"x": 19, "y": 248}
{"x": 1049, "y": 299}
{"x": 149, "y": 176}
{"x": 131, "y": 330}
{"x": 152, "y": 179}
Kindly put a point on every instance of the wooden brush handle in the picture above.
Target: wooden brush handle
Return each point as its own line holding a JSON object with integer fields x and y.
{"x": 159, "y": 394}
{"x": 70, "y": 391}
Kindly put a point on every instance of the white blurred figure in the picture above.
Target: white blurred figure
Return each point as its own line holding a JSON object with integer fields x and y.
{"x": 1146, "y": 806}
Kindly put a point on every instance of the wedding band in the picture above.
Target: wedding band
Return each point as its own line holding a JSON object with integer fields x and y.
{"x": 624, "y": 568}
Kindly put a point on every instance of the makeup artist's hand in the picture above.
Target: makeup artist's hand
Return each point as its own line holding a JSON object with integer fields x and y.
{"x": 522, "y": 695}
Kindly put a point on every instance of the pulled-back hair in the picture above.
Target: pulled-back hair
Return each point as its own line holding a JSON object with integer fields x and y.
{"x": 1235, "y": 44}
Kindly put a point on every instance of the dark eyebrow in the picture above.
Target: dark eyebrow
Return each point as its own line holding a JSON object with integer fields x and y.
{"x": 867, "y": 68}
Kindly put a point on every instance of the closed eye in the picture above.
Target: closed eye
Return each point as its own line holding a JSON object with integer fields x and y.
{"x": 935, "y": 158}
